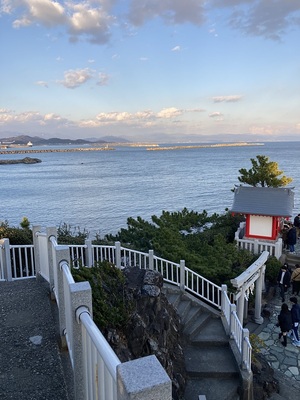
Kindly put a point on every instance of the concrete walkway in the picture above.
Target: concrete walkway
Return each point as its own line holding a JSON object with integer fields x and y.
{"x": 30, "y": 359}
{"x": 284, "y": 360}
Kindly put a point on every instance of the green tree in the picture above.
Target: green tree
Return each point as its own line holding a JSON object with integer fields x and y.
{"x": 263, "y": 173}
{"x": 206, "y": 243}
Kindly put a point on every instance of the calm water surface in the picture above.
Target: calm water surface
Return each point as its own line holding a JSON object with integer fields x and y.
{"x": 100, "y": 190}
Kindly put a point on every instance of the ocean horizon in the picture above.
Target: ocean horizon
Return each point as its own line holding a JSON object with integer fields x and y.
{"x": 99, "y": 190}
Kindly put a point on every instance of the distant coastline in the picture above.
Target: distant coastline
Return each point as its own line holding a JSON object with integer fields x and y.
{"x": 205, "y": 146}
{"x": 56, "y": 150}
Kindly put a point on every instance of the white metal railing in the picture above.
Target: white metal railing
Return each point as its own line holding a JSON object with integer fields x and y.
{"x": 235, "y": 330}
{"x": 88, "y": 254}
{"x": 22, "y": 259}
{"x": 256, "y": 246}
{"x": 100, "y": 366}
{"x": 95, "y": 365}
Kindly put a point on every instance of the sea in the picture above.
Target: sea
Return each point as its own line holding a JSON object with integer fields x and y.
{"x": 97, "y": 191}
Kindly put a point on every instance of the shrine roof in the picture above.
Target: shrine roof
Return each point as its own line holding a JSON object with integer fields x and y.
{"x": 263, "y": 201}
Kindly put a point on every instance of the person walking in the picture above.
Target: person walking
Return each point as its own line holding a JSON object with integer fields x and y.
{"x": 295, "y": 314}
{"x": 292, "y": 238}
{"x": 283, "y": 280}
{"x": 285, "y": 323}
{"x": 295, "y": 279}
{"x": 297, "y": 224}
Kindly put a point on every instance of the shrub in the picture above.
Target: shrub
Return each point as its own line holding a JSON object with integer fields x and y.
{"x": 16, "y": 236}
{"x": 110, "y": 307}
{"x": 272, "y": 268}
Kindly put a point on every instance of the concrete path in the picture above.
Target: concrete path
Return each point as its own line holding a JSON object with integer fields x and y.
{"x": 30, "y": 360}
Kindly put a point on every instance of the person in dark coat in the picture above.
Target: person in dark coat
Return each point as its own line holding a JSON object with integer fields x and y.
{"x": 292, "y": 238}
{"x": 297, "y": 224}
{"x": 295, "y": 278}
{"x": 285, "y": 323}
{"x": 283, "y": 280}
{"x": 295, "y": 313}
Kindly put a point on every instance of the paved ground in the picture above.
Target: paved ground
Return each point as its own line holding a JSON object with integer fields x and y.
{"x": 30, "y": 359}
{"x": 284, "y": 360}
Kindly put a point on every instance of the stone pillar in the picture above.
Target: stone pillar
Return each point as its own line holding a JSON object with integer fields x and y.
{"x": 51, "y": 232}
{"x": 182, "y": 274}
{"x": 35, "y": 231}
{"x": 7, "y": 272}
{"x": 151, "y": 259}
{"x": 258, "y": 294}
{"x": 89, "y": 262}
{"x": 143, "y": 379}
{"x": 118, "y": 255}
{"x": 81, "y": 301}
{"x": 240, "y": 305}
{"x": 62, "y": 256}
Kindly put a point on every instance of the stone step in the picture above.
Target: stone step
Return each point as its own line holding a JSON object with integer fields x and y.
{"x": 210, "y": 362}
{"x": 173, "y": 298}
{"x": 212, "y": 333}
{"x": 225, "y": 390}
{"x": 197, "y": 321}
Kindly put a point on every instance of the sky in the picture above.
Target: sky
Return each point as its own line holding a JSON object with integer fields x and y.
{"x": 150, "y": 70}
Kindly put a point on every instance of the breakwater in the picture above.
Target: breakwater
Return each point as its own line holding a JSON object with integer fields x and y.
{"x": 23, "y": 151}
{"x": 200, "y": 146}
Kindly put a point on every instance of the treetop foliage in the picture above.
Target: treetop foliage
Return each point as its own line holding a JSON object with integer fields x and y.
{"x": 263, "y": 173}
{"x": 206, "y": 243}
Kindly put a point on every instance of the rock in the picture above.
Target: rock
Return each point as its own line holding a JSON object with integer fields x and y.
{"x": 153, "y": 328}
{"x": 264, "y": 382}
{"x": 26, "y": 160}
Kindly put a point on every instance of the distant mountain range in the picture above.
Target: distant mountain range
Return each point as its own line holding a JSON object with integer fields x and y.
{"x": 38, "y": 141}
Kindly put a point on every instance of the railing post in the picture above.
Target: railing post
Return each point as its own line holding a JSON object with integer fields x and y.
{"x": 35, "y": 230}
{"x": 81, "y": 301}
{"x": 255, "y": 246}
{"x": 151, "y": 259}
{"x": 278, "y": 248}
{"x": 7, "y": 272}
{"x": 223, "y": 299}
{"x": 50, "y": 233}
{"x": 89, "y": 262}
{"x": 118, "y": 254}
{"x": 231, "y": 324}
{"x": 245, "y": 360}
{"x": 152, "y": 383}
{"x": 62, "y": 255}
{"x": 182, "y": 274}
{"x": 258, "y": 295}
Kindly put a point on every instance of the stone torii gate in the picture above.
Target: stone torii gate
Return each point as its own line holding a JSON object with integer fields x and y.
{"x": 255, "y": 274}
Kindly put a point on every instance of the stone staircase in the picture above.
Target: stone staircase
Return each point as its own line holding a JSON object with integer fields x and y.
{"x": 211, "y": 367}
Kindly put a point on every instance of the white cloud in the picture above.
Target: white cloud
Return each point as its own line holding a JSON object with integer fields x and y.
{"x": 271, "y": 19}
{"x": 227, "y": 99}
{"x": 92, "y": 20}
{"x": 42, "y": 83}
{"x": 172, "y": 11}
{"x": 216, "y": 115}
{"x": 169, "y": 113}
{"x": 176, "y": 48}
{"x": 76, "y": 78}
{"x": 46, "y": 12}
{"x": 103, "y": 79}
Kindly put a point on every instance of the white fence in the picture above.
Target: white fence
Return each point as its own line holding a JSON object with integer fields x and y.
{"x": 256, "y": 246}
{"x": 92, "y": 367}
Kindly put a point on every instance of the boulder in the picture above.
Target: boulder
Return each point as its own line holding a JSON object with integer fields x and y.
{"x": 153, "y": 328}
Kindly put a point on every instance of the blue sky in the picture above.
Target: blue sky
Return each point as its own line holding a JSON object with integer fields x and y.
{"x": 150, "y": 70}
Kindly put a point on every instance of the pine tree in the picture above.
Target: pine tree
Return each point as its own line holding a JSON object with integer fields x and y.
{"x": 263, "y": 173}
